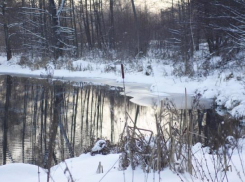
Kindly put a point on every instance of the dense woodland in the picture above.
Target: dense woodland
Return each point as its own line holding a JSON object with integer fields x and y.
{"x": 120, "y": 29}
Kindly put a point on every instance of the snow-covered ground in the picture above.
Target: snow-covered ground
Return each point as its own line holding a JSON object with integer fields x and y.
{"x": 82, "y": 169}
{"x": 225, "y": 86}
{"x": 207, "y": 167}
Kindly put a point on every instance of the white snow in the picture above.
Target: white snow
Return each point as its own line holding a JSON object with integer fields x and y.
{"x": 83, "y": 169}
{"x": 20, "y": 172}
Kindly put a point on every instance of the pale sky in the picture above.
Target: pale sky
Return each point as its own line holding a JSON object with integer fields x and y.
{"x": 154, "y": 5}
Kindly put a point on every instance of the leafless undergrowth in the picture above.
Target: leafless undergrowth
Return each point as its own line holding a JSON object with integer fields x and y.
{"x": 188, "y": 140}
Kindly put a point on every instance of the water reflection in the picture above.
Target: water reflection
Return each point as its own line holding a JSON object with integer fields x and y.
{"x": 75, "y": 114}
{"x": 87, "y": 112}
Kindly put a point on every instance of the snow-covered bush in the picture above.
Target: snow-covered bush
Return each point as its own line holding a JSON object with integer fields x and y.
{"x": 101, "y": 146}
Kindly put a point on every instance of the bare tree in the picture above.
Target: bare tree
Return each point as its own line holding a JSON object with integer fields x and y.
{"x": 6, "y": 30}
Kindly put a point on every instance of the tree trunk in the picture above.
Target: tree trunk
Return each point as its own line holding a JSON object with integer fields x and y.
{"x": 98, "y": 114}
{"x": 6, "y": 117}
{"x": 87, "y": 111}
{"x": 24, "y": 124}
{"x": 86, "y": 24}
{"x": 112, "y": 103}
{"x": 6, "y": 32}
{"x": 91, "y": 22}
{"x": 75, "y": 119}
{"x": 112, "y": 28}
{"x": 136, "y": 27}
{"x": 75, "y": 27}
{"x": 55, "y": 30}
{"x": 58, "y": 98}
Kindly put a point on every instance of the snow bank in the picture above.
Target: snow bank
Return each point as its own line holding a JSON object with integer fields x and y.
{"x": 20, "y": 172}
{"x": 83, "y": 169}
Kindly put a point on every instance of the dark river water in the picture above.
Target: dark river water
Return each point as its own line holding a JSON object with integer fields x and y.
{"x": 86, "y": 112}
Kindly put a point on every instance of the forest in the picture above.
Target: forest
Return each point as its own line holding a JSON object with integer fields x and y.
{"x": 120, "y": 29}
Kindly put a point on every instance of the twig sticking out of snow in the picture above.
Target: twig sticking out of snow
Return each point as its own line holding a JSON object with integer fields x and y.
{"x": 108, "y": 170}
{"x": 99, "y": 169}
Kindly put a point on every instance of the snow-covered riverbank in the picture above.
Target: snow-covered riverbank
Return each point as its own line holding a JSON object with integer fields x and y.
{"x": 207, "y": 167}
{"x": 226, "y": 85}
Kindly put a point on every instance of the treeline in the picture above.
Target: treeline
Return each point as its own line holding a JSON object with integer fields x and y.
{"x": 69, "y": 27}
{"x": 196, "y": 24}
{"x": 72, "y": 28}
